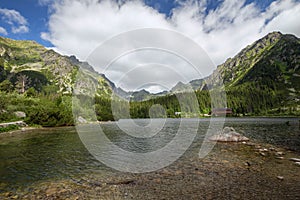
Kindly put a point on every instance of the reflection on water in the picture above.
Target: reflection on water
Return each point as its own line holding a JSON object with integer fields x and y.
{"x": 59, "y": 153}
{"x": 279, "y": 131}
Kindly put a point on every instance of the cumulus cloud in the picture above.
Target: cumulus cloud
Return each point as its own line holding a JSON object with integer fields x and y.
{"x": 17, "y": 22}
{"x": 79, "y": 26}
{"x": 3, "y": 31}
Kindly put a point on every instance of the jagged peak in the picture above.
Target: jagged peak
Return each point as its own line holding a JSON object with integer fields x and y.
{"x": 274, "y": 34}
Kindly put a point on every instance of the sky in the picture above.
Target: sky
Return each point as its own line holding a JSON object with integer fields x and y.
{"x": 78, "y": 27}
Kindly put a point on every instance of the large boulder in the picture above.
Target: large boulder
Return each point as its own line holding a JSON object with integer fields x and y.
{"x": 228, "y": 134}
{"x": 20, "y": 114}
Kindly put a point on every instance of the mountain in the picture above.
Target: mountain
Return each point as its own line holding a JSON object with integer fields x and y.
{"x": 40, "y": 82}
{"x": 40, "y": 65}
{"x": 262, "y": 79}
{"x": 197, "y": 84}
{"x": 274, "y": 57}
{"x": 43, "y": 67}
{"x": 272, "y": 63}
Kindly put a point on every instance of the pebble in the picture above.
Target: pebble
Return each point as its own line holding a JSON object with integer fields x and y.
{"x": 280, "y": 158}
{"x": 262, "y": 154}
{"x": 295, "y": 159}
{"x": 50, "y": 191}
{"x": 250, "y": 144}
{"x": 263, "y": 150}
{"x": 280, "y": 177}
{"x": 7, "y": 194}
{"x": 279, "y": 153}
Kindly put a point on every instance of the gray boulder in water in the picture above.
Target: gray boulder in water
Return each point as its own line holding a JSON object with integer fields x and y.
{"x": 228, "y": 134}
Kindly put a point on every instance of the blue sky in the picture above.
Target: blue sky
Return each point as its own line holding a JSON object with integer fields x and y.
{"x": 37, "y": 15}
{"x": 77, "y": 27}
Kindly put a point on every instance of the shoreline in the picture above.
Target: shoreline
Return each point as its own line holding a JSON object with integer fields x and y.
{"x": 230, "y": 171}
{"x": 29, "y": 128}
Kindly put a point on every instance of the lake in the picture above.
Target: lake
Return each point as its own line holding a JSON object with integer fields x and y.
{"x": 31, "y": 162}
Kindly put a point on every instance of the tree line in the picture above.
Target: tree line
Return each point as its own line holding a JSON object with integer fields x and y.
{"x": 47, "y": 107}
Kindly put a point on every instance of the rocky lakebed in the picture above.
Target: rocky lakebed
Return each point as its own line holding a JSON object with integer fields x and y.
{"x": 249, "y": 169}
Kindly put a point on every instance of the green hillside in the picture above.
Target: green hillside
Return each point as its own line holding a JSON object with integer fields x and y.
{"x": 40, "y": 82}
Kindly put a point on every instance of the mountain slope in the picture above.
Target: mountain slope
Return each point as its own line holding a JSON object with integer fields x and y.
{"x": 268, "y": 58}
{"x": 272, "y": 63}
{"x": 43, "y": 67}
{"x": 262, "y": 79}
{"x": 39, "y": 82}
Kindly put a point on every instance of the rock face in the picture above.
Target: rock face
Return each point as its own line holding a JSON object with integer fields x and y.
{"x": 228, "y": 134}
{"x": 20, "y": 114}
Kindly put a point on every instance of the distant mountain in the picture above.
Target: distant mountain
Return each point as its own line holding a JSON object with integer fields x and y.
{"x": 198, "y": 84}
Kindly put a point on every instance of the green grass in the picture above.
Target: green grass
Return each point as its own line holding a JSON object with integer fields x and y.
{"x": 9, "y": 128}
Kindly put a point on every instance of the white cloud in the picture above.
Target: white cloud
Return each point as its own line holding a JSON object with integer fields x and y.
{"x": 3, "y": 31}
{"x": 79, "y": 26}
{"x": 20, "y": 29}
{"x": 17, "y": 22}
{"x": 287, "y": 21}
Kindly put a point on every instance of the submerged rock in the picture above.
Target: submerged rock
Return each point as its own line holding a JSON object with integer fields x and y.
{"x": 228, "y": 134}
